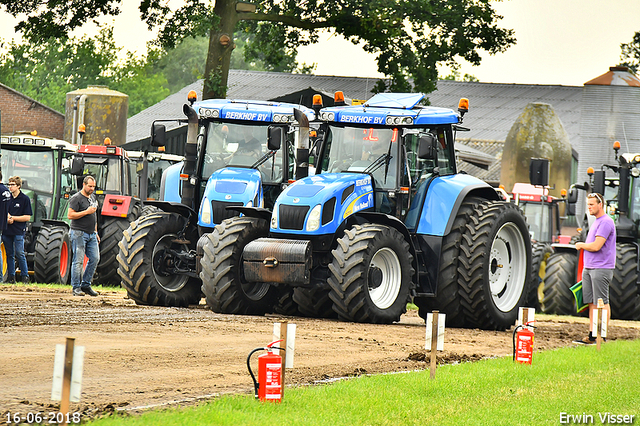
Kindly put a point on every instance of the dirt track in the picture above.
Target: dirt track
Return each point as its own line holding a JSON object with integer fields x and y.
{"x": 137, "y": 357}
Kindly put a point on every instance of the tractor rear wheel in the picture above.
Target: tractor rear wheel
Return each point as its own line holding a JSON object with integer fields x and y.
{"x": 447, "y": 299}
{"x": 149, "y": 251}
{"x": 52, "y": 257}
{"x": 111, "y": 232}
{"x": 494, "y": 265}
{"x": 371, "y": 274}
{"x": 560, "y": 276}
{"x": 624, "y": 293}
{"x": 223, "y": 283}
{"x": 540, "y": 253}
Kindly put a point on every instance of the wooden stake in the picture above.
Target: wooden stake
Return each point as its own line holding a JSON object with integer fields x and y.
{"x": 66, "y": 377}
{"x": 599, "y": 325}
{"x": 283, "y": 354}
{"x": 434, "y": 344}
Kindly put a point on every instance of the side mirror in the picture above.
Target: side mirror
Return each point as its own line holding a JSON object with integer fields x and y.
{"x": 598, "y": 182}
{"x": 158, "y": 134}
{"x": 539, "y": 172}
{"x": 77, "y": 166}
{"x": 573, "y": 196}
{"x": 276, "y": 136}
{"x": 427, "y": 147}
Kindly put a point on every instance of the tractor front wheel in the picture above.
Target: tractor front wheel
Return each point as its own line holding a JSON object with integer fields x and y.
{"x": 371, "y": 274}
{"x": 151, "y": 250}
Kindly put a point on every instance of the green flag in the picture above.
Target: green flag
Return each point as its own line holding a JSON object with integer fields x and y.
{"x": 577, "y": 293}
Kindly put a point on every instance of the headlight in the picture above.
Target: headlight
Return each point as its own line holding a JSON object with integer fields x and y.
{"x": 249, "y": 204}
{"x": 215, "y": 113}
{"x": 313, "y": 222}
{"x": 274, "y": 219}
{"x": 635, "y": 172}
{"x": 206, "y": 211}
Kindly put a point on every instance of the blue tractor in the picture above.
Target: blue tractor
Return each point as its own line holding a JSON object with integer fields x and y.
{"x": 238, "y": 154}
{"x": 386, "y": 219}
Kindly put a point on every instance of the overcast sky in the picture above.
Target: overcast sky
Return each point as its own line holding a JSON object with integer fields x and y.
{"x": 565, "y": 42}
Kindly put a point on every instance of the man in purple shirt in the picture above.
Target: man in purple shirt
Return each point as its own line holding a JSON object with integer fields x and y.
{"x": 599, "y": 260}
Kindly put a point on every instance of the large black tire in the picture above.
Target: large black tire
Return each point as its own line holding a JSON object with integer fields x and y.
{"x": 148, "y": 209}
{"x": 141, "y": 246}
{"x": 222, "y": 274}
{"x": 624, "y": 293}
{"x": 447, "y": 299}
{"x": 540, "y": 253}
{"x": 53, "y": 255}
{"x": 111, "y": 231}
{"x": 494, "y": 265}
{"x": 285, "y": 304}
{"x": 314, "y": 302}
{"x": 561, "y": 275}
{"x": 371, "y": 275}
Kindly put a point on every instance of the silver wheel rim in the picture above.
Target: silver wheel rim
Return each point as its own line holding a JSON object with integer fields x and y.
{"x": 387, "y": 292}
{"x": 171, "y": 283}
{"x": 507, "y": 267}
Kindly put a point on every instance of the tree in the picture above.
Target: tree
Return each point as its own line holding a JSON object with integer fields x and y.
{"x": 409, "y": 37}
{"x": 47, "y": 70}
{"x": 631, "y": 54}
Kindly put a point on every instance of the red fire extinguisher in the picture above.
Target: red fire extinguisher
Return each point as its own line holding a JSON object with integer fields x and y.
{"x": 523, "y": 344}
{"x": 269, "y": 384}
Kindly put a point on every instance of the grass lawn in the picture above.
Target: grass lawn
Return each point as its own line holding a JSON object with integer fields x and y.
{"x": 578, "y": 381}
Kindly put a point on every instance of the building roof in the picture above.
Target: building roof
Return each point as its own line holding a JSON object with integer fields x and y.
{"x": 33, "y": 101}
{"x": 494, "y": 107}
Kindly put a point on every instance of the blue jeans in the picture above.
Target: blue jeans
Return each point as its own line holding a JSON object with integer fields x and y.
{"x": 83, "y": 243}
{"x": 14, "y": 246}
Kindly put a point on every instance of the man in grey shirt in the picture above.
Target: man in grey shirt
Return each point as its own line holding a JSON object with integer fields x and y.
{"x": 84, "y": 237}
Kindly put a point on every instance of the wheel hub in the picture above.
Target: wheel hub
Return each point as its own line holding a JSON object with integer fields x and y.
{"x": 375, "y": 277}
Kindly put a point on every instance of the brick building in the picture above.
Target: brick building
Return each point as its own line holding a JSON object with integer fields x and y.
{"x": 20, "y": 113}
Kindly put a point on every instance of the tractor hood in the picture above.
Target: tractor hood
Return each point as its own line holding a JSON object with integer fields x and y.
{"x": 230, "y": 186}
{"x": 317, "y": 205}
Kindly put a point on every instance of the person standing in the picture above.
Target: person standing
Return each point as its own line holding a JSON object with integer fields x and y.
{"x": 19, "y": 213}
{"x": 84, "y": 237}
{"x": 5, "y": 197}
{"x": 599, "y": 261}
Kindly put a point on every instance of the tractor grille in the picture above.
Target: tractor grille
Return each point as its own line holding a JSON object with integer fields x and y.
{"x": 292, "y": 217}
{"x": 220, "y": 212}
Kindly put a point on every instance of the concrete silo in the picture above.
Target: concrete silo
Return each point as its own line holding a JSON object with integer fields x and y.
{"x": 537, "y": 133}
{"x": 102, "y": 111}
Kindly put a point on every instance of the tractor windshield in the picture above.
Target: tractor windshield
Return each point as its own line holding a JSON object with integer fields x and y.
{"x": 36, "y": 169}
{"x": 241, "y": 145}
{"x": 360, "y": 149}
{"x": 106, "y": 171}
{"x": 538, "y": 216}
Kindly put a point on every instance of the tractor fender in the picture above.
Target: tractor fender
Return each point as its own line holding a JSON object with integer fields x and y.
{"x": 179, "y": 208}
{"x": 55, "y": 222}
{"x": 170, "y": 183}
{"x": 443, "y": 199}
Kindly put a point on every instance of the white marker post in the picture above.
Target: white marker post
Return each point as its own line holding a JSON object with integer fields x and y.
{"x": 434, "y": 338}
{"x": 287, "y": 332}
{"x": 600, "y": 323}
{"x": 526, "y": 315}
{"x": 67, "y": 374}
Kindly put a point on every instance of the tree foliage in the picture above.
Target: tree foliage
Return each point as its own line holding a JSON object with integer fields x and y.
{"x": 47, "y": 70}
{"x": 631, "y": 54}
{"x": 409, "y": 38}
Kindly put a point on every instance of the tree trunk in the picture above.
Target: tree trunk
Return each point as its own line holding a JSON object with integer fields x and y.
{"x": 221, "y": 45}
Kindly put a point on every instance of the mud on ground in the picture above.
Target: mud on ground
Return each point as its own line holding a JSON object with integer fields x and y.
{"x": 140, "y": 357}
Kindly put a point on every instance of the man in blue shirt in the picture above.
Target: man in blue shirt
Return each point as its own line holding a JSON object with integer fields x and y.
{"x": 13, "y": 238}
{"x": 5, "y": 197}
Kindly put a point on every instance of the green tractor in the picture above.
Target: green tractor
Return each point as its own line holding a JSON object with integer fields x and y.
{"x": 43, "y": 165}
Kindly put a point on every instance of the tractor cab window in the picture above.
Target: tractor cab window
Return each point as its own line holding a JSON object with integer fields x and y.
{"x": 241, "y": 145}
{"x": 106, "y": 171}
{"x": 363, "y": 150}
{"x": 634, "y": 201}
{"x": 418, "y": 171}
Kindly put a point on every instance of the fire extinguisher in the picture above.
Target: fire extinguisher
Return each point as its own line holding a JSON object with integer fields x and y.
{"x": 523, "y": 344}
{"x": 269, "y": 384}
